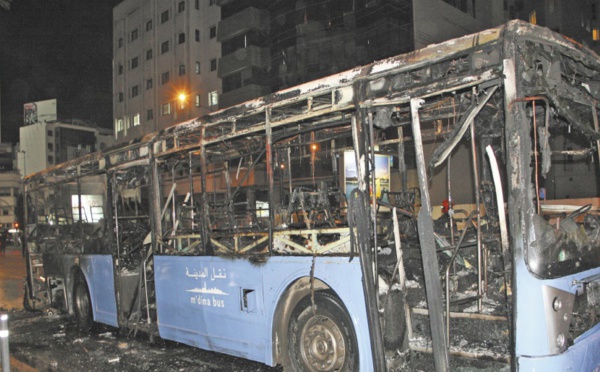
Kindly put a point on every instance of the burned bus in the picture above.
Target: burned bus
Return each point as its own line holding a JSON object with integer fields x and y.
{"x": 435, "y": 207}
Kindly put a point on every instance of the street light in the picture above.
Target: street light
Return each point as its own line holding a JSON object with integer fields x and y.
{"x": 182, "y": 97}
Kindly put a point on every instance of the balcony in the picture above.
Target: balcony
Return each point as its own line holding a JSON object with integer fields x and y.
{"x": 248, "y": 19}
{"x": 243, "y": 94}
{"x": 244, "y": 58}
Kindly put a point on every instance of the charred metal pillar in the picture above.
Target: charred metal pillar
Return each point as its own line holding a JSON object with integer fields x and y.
{"x": 366, "y": 251}
{"x": 401, "y": 158}
{"x": 79, "y": 208}
{"x": 204, "y": 210}
{"x": 270, "y": 175}
{"x": 428, "y": 250}
{"x": 155, "y": 215}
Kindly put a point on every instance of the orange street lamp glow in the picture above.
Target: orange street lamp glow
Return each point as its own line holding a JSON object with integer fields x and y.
{"x": 182, "y": 97}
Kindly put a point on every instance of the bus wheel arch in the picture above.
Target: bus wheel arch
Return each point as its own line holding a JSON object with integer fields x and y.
{"x": 293, "y": 303}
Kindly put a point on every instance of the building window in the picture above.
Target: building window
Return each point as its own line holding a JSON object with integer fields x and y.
{"x": 164, "y": 16}
{"x": 213, "y": 32}
{"x": 213, "y": 64}
{"x": 213, "y": 98}
{"x": 197, "y": 4}
{"x": 197, "y": 68}
{"x": 134, "y": 34}
{"x": 149, "y": 25}
{"x": 135, "y": 90}
{"x": 197, "y": 100}
{"x": 120, "y": 69}
{"x": 181, "y": 6}
{"x": 148, "y": 54}
{"x": 120, "y": 42}
{"x": 166, "y": 108}
{"x": 119, "y": 125}
{"x": 164, "y": 47}
{"x": 120, "y": 96}
{"x": 149, "y": 84}
{"x": 181, "y": 38}
{"x": 164, "y": 78}
{"x": 181, "y": 70}
{"x": 134, "y": 62}
{"x": 533, "y": 18}
{"x": 50, "y": 133}
{"x": 50, "y": 147}
{"x": 5, "y": 211}
{"x": 136, "y": 120}
{"x": 197, "y": 35}
{"x": 50, "y": 159}
{"x": 595, "y": 34}
{"x": 149, "y": 115}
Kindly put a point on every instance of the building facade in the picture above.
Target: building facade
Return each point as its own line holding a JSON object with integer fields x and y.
{"x": 42, "y": 145}
{"x": 165, "y": 58}
{"x": 577, "y": 19}
{"x": 269, "y": 45}
{"x": 179, "y": 59}
{"x": 10, "y": 187}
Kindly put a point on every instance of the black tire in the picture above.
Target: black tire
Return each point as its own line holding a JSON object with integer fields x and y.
{"x": 322, "y": 339}
{"x": 82, "y": 305}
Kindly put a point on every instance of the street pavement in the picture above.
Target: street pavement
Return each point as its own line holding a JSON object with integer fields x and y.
{"x": 12, "y": 273}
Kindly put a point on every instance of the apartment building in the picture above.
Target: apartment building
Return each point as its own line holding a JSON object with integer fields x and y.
{"x": 45, "y": 144}
{"x": 269, "y": 45}
{"x": 165, "y": 59}
{"x": 178, "y": 59}
{"x": 577, "y": 19}
{"x": 10, "y": 187}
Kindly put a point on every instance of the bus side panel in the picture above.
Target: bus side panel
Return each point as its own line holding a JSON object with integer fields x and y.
{"x": 211, "y": 303}
{"x": 99, "y": 273}
{"x": 532, "y": 340}
{"x": 584, "y": 355}
{"x": 228, "y": 305}
{"x": 343, "y": 276}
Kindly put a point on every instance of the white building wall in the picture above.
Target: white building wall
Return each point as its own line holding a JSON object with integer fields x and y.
{"x": 34, "y": 148}
{"x": 10, "y": 188}
{"x": 136, "y": 14}
{"x": 34, "y": 153}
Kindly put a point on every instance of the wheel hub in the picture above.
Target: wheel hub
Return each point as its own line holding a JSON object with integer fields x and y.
{"x": 323, "y": 347}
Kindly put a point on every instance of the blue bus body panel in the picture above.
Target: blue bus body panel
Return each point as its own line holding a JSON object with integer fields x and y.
{"x": 99, "y": 273}
{"x": 584, "y": 355}
{"x": 531, "y": 342}
{"x": 228, "y": 304}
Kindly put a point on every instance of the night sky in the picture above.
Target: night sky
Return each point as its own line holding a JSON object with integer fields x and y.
{"x": 56, "y": 49}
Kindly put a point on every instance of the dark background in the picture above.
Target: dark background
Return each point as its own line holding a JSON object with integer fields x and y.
{"x": 56, "y": 49}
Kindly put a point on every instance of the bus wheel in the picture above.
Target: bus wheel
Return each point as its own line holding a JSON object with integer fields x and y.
{"x": 83, "y": 305}
{"x": 322, "y": 338}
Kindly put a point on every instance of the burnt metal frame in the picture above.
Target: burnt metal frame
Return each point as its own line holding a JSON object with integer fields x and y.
{"x": 480, "y": 60}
